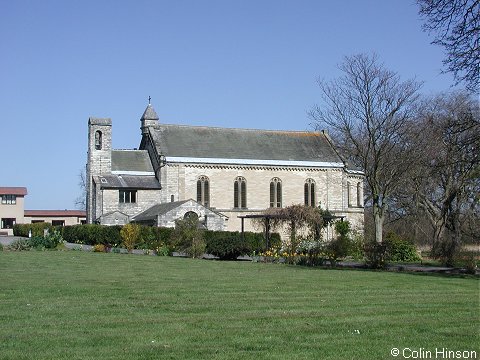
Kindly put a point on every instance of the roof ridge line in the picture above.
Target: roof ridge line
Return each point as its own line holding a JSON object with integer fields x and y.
{"x": 243, "y": 129}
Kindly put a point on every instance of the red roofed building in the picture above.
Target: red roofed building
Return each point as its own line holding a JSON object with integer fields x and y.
{"x": 12, "y": 211}
{"x": 56, "y": 217}
{"x": 12, "y": 206}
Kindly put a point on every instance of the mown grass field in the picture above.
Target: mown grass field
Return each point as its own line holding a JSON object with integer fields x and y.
{"x": 77, "y": 305}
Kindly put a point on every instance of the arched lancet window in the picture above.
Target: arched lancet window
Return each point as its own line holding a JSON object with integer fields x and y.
{"x": 359, "y": 194}
{"x": 309, "y": 192}
{"x": 240, "y": 193}
{"x": 203, "y": 191}
{"x": 349, "y": 194}
{"x": 275, "y": 192}
{"x": 98, "y": 140}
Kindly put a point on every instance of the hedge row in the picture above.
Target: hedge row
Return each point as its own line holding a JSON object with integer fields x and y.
{"x": 36, "y": 229}
{"x": 224, "y": 244}
{"x": 231, "y": 244}
{"x": 92, "y": 234}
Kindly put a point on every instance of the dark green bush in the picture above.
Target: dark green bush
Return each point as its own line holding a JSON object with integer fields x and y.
{"x": 357, "y": 246}
{"x": 275, "y": 240}
{"x": 92, "y": 234}
{"x": 399, "y": 250}
{"x": 227, "y": 245}
{"x": 50, "y": 241}
{"x": 37, "y": 229}
{"x": 224, "y": 244}
{"x": 393, "y": 248}
{"x": 189, "y": 238}
{"x": 340, "y": 246}
{"x": 375, "y": 255}
{"x": 155, "y": 238}
{"x": 337, "y": 249}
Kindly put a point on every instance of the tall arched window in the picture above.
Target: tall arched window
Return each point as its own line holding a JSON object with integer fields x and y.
{"x": 275, "y": 192}
{"x": 240, "y": 193}
{"x": 359, "y": 194}
{"x": 309, "y": 192}
{"x": 203, "y": 191}
{"x": 98, "y": 140}
{"x": 349, "y": 194}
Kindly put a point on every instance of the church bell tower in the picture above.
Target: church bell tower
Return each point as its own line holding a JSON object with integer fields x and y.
{"x": 99, "y": 160}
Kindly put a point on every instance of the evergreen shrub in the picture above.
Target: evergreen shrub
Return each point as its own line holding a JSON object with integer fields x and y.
{"x": 37, "y": 229}
{"x": 50, "y": 241}
{"x": 375, "y": 255}
{"x": 224, "y": 244}
{"x": 92, "y": 234}
{"x": 228, "y": 245}
{"x": 400, "y": 250}
{"x": 188, "y": 237}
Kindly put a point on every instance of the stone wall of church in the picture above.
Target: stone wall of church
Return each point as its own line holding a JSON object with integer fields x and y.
{"x": 180, "y": 182}
{"x": 145, "y": 200}
{"x": 210, "y": 219}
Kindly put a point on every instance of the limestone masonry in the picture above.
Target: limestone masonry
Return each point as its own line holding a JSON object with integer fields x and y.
{"x": 216, "y": 174}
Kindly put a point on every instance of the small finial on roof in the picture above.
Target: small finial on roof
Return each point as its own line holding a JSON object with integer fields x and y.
{"x": 149, "y": 98}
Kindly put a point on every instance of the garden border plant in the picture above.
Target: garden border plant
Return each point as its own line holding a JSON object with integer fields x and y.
{"x": 160, "y": 240}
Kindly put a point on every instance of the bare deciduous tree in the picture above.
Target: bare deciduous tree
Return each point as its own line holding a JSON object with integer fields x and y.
{"x": 81, "y": 200}
{"x": 368, "y": 112}
{"x": 447, "y": 181}
{"x": 457, "y": 27}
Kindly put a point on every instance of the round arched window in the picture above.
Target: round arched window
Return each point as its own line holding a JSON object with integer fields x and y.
{"x": 190, "y": 215}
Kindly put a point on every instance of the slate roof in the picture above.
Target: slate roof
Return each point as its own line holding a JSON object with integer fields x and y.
{"x": 159, "y": 209}
{"x": 227, "y": 143}
{"x": 127, "y": 182}
{"x": 162, "y": 209}
{"x": 131, "y": 161}
{"x": 149, "y": 114}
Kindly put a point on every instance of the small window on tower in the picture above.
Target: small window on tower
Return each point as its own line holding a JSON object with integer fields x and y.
{"x": 98, "y": 140}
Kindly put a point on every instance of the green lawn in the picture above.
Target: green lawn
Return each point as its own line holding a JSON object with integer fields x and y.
{"x": 77, "y": 305}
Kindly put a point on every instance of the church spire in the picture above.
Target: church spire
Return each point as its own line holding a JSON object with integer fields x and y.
{"x": 149, "y": 117}
{"x": 149, "y": 113}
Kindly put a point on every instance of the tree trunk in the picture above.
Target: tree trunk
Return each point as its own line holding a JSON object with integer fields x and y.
{"x": 378, "y": 217}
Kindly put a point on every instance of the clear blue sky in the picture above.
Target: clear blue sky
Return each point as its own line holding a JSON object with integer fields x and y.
{"x": 242, "y": 63}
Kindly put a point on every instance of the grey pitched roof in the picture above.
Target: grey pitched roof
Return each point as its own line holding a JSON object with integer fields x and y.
{"x": 226, "y": 143}
{"x": 131, "y": 161}
{"x": 127, "y": 182}
{"x": 159, "y": 209}
{"x": 149, "y": 114}
{"x": 162, "y": 209}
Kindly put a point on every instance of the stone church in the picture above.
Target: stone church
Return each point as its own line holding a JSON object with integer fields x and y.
{"x": 217, "y": 174}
